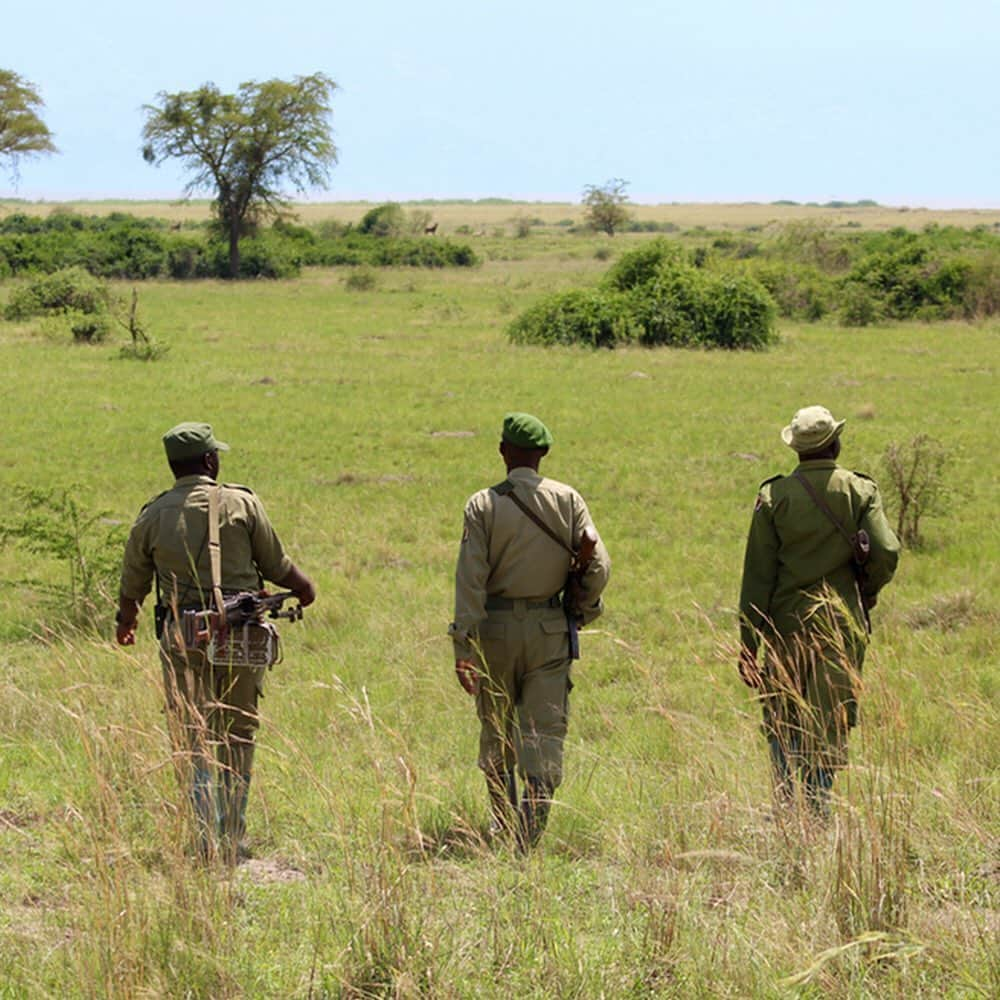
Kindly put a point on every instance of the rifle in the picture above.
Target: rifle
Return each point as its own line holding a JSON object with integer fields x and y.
{"x": 573, "y": 589}
{"x": 242, "y": 609}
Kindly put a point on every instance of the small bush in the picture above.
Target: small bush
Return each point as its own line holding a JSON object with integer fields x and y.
{"x": 361, "y": 280}
{"x": 90, "y": 328}
{"x": 53, "y": 524}
{"x": 638, "y": 267}
{"x": 595, "y": 318}
{"x": 671, "y": 304}
{"x": 800, "y": 291}
{"x": 70, "y": 290}
{"x": 143, "y": 350}
{"x": 914, "y": 484}
{"x": 858, "y": 306}
{"x": 384, "y": 220}
{"x": 603, "y": 253}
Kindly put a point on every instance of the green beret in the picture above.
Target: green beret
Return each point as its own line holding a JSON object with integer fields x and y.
{"x": 525, "y": 431}
{"x": 189, "y": 440}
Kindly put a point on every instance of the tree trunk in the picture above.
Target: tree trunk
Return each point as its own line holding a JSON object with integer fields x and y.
{"x": 234, "y": 248}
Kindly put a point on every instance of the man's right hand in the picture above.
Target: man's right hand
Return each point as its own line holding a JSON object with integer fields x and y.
{"x": 468, "y": 676}
{"x": 125, "y": 634}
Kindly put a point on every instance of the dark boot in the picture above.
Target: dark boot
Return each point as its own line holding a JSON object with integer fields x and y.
{"x": 236, "y": 771}
{"x": 206, "y": 814}
{"x": 535, "y": 804}
{"x": 502, "y": 788}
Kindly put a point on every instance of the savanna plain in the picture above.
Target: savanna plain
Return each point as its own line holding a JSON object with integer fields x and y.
{"x": 364, "y": 418}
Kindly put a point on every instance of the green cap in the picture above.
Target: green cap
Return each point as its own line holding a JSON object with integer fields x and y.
{"x": 811, "y": 428}
{"x": 189, "y": 440}
{"x": 525, "y": 431}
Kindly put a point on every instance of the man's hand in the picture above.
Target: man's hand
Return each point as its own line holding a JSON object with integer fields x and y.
{"x": 300, "y": 585}
{"x": 125, "y": 619}
{"x": 468, "y": 676}
{"x": 749, "y": 671}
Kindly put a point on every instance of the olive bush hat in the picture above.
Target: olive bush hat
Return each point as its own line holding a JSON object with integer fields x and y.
{"x": 525, "y": 431}
{"x": 190, "y": 440}
{"x": 812, "y": 428}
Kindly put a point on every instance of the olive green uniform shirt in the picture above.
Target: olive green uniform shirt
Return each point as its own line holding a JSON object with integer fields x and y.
{"x": 504, "y": 554}
{"x": 793, "y": 549}
{"x": 170, "y": 539}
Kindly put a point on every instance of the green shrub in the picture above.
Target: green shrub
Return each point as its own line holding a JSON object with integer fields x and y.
{"x": 90, "y": 328}
{"x": 594, "y": 318}
{"x": 673, "y": 309}
{"x": 361, "y": 280}
{"x": 70, "y": 290}
{"x": 740, "y": 312}
{"x": 638, "y": 267}
{"x": 858, "y": 305}
{"x": 678, "y": 305}
{"x": 800, "y": 291}
{"x": 384, "y": 220}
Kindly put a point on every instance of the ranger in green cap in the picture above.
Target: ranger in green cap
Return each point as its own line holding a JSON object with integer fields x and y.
{"x": 213, "y": 710}
{"x": 512, "y": 639}
{"x": 819, "y": 551}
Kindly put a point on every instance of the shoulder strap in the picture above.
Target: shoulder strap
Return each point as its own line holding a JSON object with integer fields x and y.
{"x": 214, "y": 548}
{"x": 506, "y": 489}
{"x": 824, "y": 507}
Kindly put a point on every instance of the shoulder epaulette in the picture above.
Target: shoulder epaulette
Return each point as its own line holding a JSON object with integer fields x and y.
{"x": 862, "y": 475}
{"x": 772, "y": 479}
{"x": 238, "y": 486}
{"x": 153, "y": 500}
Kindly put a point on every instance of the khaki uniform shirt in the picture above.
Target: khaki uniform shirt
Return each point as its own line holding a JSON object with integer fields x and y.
{"x": 170, "y": 539}
{"x": 504, "y": 554}
{"x": 793, "y": 549}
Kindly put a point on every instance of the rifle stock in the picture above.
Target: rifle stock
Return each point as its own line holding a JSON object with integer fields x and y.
{"x": 573, "y": 590}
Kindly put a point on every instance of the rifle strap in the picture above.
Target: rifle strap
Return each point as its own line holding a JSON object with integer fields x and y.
{"x": 824, "y": 507}
{"x": 506, "y": 489}
{"x": 214, "y": 548}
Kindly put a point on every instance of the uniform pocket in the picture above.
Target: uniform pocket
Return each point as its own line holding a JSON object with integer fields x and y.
{"x": 554, "y": 626}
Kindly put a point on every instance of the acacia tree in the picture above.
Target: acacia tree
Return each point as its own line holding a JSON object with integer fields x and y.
{"x": 22, "y": 131}
{"x": 606, "y": 211}
{"x": 247, "y": 146}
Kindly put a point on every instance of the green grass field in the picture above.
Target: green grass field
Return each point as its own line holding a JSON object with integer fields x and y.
{"x": 364, "y": 420}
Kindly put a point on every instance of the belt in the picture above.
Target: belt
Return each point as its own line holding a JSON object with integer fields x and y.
{"x": 494, "y": 603}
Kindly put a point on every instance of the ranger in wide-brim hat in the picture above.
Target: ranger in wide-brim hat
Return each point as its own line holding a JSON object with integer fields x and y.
{"x": 812, "y": 428}
{"x": 804, "y": 602}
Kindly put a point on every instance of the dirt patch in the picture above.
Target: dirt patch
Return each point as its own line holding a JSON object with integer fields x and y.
{"x": 270, "y": 871}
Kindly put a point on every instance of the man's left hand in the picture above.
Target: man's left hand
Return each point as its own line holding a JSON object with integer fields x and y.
{"x": 468, "y": 676}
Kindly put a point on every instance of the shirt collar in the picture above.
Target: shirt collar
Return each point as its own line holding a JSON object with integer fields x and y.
{"x": 193, "y": 480}
{"x": 522, "y": 474}
{"x": 818, "y": 463}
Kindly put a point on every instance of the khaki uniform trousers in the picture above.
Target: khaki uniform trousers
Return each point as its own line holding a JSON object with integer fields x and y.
{"x": 523, "y": 700}
{"x": 212, "y": 710}
{"x": 811, "y": 685}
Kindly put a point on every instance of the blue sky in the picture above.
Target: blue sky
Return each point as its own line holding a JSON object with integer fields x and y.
{"x": 713, "y": 100}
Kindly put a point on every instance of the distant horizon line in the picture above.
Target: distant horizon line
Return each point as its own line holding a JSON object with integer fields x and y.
{"x": 940, "y": 205}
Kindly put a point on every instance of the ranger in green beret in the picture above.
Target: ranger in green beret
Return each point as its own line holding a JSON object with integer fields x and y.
{"x": 819, "y": 551}
{"x": 513, "y": 642}
{"x": 213, "y": 710}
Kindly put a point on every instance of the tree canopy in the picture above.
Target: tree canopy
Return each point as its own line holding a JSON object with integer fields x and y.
{"x": 247, "y": 147}
{"x": 22, "y": 131}
{"x": 606, "y": 211}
